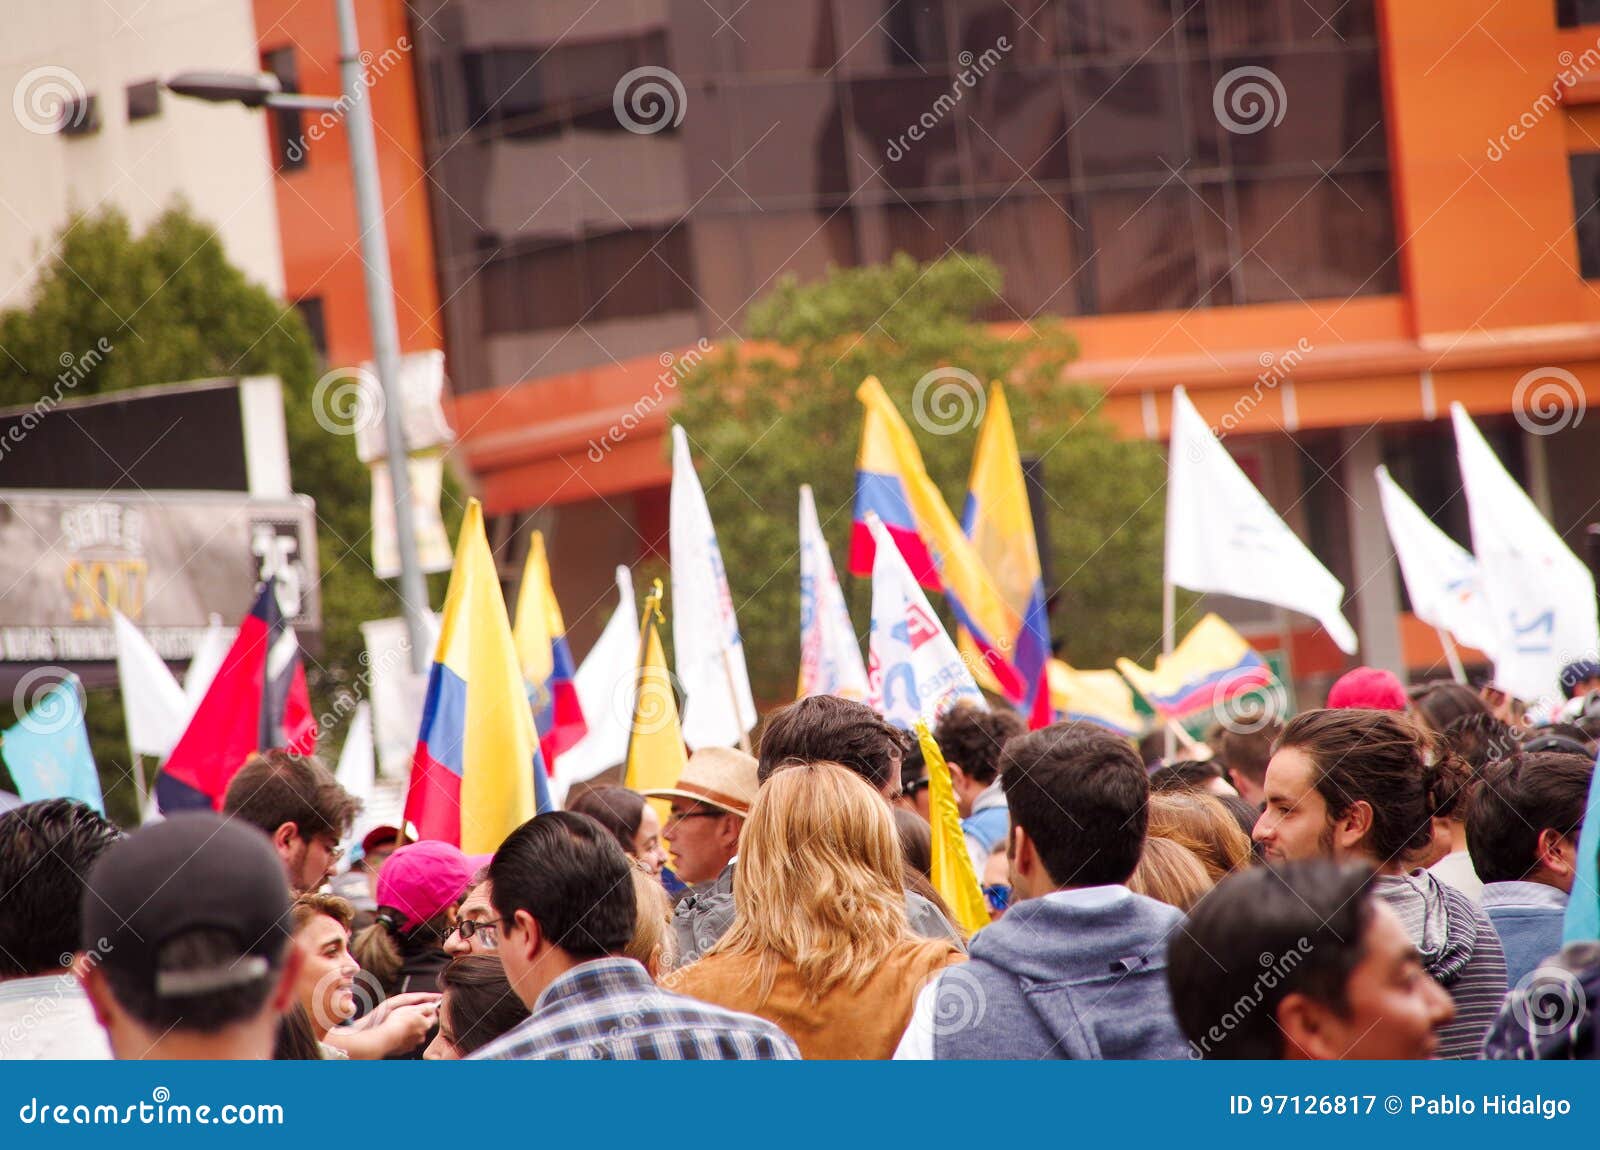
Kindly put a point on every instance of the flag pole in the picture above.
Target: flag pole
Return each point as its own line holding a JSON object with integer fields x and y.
{"x": 1452, "y": 656}
{"x": 1169, "y": 610}
{"x": 733, "y": 695}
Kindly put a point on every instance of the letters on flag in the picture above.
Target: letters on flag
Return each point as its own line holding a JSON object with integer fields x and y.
{"x": 830, "y": 654}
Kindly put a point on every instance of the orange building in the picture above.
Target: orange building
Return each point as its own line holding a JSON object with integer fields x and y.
{"x": 323, "y": 276}
{"x": 1397, "y": 211}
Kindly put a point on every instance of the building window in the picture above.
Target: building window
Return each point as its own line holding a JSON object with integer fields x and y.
{"x": 1585, "y": 168}
{"x": 310, "y": 310}
{"x": 144, "y": 100}
{"x": 1573, "y": 13}
{"x": 288, "y": 131}
{"x": 80, "y": 117}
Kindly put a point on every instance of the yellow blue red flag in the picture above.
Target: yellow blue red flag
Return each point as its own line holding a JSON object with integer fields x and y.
{"x": 547, "y": 667}
{"x": 1100, "y": 697}
{"x": 1212, "y": 665}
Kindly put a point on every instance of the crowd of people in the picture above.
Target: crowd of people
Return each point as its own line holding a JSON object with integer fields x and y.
{"x": 1383, "y": 877}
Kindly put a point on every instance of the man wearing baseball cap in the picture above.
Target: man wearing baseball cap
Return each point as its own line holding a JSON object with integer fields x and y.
{"x": 709, "y": 806}
{"x": 190, "y": 919}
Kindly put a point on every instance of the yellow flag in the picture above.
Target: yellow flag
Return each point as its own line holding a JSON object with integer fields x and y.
{"x": 953, "y": 876}
{"x": 655, "y": 745}
{"x": 538, "y": 621}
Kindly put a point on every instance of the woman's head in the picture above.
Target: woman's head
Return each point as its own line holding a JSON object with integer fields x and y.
{"x": 325, "y": 987}
{"x": 651, "y": 944}
{"x": 419, "y": 889}
{"x": 630, "y": 819}
{"x": 1440, "y": 704}
{"x": 1356, "y": 785}
{"x": 819, "y": 878}
{"x": 478, "y": 1007}
{"x": 1170, "y": 872}
{"x": 1205, "y": 826}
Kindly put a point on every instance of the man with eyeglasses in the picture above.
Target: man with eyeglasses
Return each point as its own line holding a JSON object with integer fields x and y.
{"x": 477, "y": 929}
{"x": 295, "y": 802}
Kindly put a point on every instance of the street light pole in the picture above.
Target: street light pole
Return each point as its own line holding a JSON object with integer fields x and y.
{"x": 385, "y": 329}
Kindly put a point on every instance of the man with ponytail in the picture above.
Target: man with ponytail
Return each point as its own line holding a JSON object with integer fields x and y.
{"x": 1365, "y": 786}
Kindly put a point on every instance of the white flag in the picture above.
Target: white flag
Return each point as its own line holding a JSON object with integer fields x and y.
{"x": 206, "y": 661}
{"x": 913, "y": 669}
{"x": 152, "y": 702}
{"x": 1441, "y": 576}
{"x": 1540, "y": 595}
{"x": 718, "y": 709}
{"x": 1223, "y": 537}
{"x": 605, "y": 682}
{"x": 358, "y": 765}
{"x": 830, "y": 653}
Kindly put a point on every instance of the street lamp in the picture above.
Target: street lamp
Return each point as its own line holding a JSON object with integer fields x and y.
{"x": 262, "y": 90}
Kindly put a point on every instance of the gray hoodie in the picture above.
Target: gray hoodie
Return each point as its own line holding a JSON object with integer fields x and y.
{"x": 1460, "y": 949}
{"x": 1064, "y": 976}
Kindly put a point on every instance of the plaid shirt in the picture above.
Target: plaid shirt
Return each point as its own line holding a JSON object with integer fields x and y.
{"x": 609, "y": 1009}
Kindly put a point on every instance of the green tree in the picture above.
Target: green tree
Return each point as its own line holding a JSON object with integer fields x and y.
{"x": 780, "y": 411}
{"x": 173, "y": 308}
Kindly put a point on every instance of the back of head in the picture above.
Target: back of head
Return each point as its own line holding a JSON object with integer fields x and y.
{"x": 1368, "y": 688}
{"x": 1302, "y": 923}
{"x": 819, "y": 878}
{"x": 1480, "y": 739}
{"x": 46, "y": 849}
{"x": 191, "y": 915}
{"x": 826, "y": 728}
{"x": 916, "y": 840}
{"x": 1439, "y": 704}
{"x": 1205, "y": 826}
{"x": 1568, "y": 738}
{"x": 1517, "y": 800}
{"x": 572, "y": 878}
{"x": 1184, "y": 775}
{"x": 1245, "y": 744}
{"x": 1171, "y": 873}
{"x": 617, "y": 809}
{"x": 480, "y": 1000}
{"x": 1080, "y": 794}
{"x": 651, "y": 944}
{"x": 277, "y": 787}
{"x": 1386, "y": 760}
{"x": 972, "y": 738}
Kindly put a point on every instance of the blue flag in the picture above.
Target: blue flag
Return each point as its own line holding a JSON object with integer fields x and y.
{"x": 1583, "y": 907}
{"x": 47, "y": 753}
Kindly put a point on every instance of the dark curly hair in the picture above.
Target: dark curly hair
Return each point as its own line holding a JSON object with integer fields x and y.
{"x": 972, "y": 737}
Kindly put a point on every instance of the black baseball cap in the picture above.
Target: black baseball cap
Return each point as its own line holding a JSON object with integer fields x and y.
{"x": 188, "y": 872}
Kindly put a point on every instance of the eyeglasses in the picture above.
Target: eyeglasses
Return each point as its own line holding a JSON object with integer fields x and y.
{"x": 909, "y": 790}
{"x": 334, "y": 848}
{"x": 998, "y": 895}
{"x": 677, "y": 817}
{"x": 467, "y": 927}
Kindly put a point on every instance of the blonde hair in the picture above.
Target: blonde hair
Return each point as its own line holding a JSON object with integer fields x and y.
{"x": 651, "y": 944}
{"x": 1200, "y": 822}
{"x": 1171, "y": 873}
{"x": 818, "y": 882}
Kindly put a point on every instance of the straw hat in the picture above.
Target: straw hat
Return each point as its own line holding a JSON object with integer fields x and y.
{"x": 717, "y": 776}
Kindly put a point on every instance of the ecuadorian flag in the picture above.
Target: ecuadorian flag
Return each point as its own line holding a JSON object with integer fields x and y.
{"x": 547, "y": 668}
{"x": 1212, "y": 665}
{"x": 892, "y": 481}
{"x": 1100, "y": 697}
{"x": 999, "y": 521}
{"x": 477, "y": 774}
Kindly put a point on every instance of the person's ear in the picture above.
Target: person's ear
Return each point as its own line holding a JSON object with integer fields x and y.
{"x": 1308, "y": 1029}
{"x": 1352, "y": 826}
{"x": 1557, "y": 853}
{"x": 93, "y": 981}
{"x": 732, "y": 828}
{"x": 283, "y": 997}
{"x": 283, "y": 838}
{"x": 531, "y": 937}
{"x": 1024, "y": 857}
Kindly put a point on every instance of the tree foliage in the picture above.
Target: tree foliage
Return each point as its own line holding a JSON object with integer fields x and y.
{"x": 780, "y": 410}
{"x": 173, "y": 308}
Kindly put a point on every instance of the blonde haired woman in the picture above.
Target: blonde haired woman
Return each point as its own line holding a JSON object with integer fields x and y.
{"x": 820, "y": 944}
